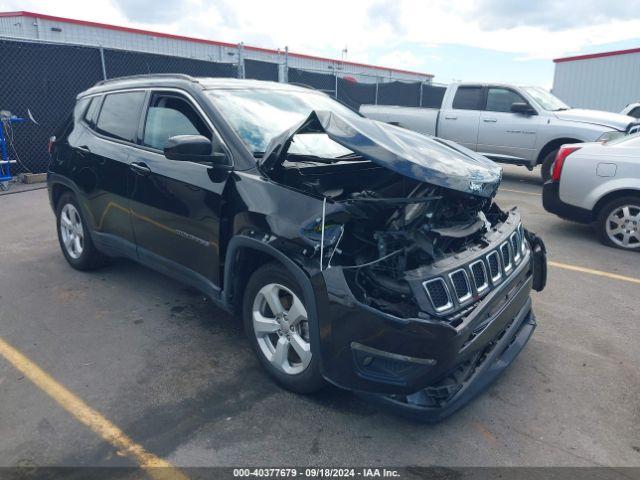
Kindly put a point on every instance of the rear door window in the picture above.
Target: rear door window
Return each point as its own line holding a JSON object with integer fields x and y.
{"x": 468, "y": 98}
{"x": 168, "y": 116}
{"x": 120, "y": 114}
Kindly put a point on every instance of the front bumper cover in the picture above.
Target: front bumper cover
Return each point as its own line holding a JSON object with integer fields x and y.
{"x": 437, "y": 402}
{"x": 386, "y": 358}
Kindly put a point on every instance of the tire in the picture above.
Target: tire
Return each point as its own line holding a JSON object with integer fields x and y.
{"x": 73, "y": 235}
{"x": 546, "y": 168}
{"x": 618, "y": 223}
{"x": 275, "y": 335}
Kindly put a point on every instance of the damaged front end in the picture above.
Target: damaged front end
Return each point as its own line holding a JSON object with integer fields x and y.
{"x": 422, "y": 282}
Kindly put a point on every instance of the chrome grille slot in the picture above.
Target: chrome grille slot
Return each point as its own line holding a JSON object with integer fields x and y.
{"x": 494, "y": 266}
{"x": 506, "y": 257}
{"x": 480, "y": 278}
{"x": 522, "y": 239}
{"x": 460, "y": 281}
{"x": 438, "y": 294}
{"x": 515, "y": 247}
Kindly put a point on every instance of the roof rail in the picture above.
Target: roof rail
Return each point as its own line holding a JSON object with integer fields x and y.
{"x": 181, "y": 76}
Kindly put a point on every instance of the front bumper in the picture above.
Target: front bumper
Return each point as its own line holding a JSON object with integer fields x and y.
{"x": 399, "y": 362}
{"x": 437, "y": 402}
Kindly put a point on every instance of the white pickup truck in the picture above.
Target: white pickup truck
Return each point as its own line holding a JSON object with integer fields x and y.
{"x": 507, "y": 123}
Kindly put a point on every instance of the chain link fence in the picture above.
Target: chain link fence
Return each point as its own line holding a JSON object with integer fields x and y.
{"x": 41, "y": 80}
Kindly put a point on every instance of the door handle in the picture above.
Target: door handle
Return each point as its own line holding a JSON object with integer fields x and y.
{"x": 140, "y": 168}
{"x": 489, "y": 120}
{"x": 450, "y": 118}
{"x": 83, "y": 150}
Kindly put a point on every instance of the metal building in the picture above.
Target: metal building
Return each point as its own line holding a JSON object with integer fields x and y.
{"x": 603, "y": 81}
{"x": 36, "y": 26}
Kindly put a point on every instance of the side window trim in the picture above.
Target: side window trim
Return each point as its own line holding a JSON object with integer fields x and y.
{"x": 198, "y": 109}
{"x": 481, "y": 99}
{"x": 170, "y": 93}
{"x": 486, "y": 97}
{"x": 102, "y": 96}
{"x": 84, "y": 119}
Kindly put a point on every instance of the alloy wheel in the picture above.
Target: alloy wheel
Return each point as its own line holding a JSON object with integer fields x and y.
{"x": 72, "y": 231}
{"x": 623, "y": 226}
{"x": 281, "y": 326}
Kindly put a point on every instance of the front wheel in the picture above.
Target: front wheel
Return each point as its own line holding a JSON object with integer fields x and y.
{"x": 618, "y": 223}
{"x": 278, "y": 326}
{"x": 546, "y": 168}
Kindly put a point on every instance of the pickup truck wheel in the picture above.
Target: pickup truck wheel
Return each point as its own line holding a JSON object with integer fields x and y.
{"x": 73, "y": 234}
{"x": 618, "y": 223}
{"x": 547, "y": 165}
{"x": 277, "y": 324}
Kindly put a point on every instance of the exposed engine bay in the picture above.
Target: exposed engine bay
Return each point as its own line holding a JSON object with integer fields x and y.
{"x": 378, "y": 226}
{"x": 393, "y": 201}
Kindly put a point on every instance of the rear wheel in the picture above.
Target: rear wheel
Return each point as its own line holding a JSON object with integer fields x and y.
{"x": 618, "y": 223}
{"x": 73, "y": 235}
{"x": 278, "y": 327}
{"x": 547, "y": 165}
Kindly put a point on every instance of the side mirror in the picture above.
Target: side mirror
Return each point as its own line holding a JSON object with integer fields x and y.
{"x": 523, "y": 108}
{"x": 193, "y": 148}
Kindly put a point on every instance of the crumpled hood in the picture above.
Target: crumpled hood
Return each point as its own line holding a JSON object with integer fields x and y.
{"x": 596, "y": 117}
{"x": 426, "y": 159}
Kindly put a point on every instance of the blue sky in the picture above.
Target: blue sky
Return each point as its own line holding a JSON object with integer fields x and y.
{"x": 467, "y": 63}
{"x": 478, "y": 40}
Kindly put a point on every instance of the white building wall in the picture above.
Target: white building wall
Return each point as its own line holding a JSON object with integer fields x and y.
{"x": 66, "y": 32}
{"x": 603, "y": 83}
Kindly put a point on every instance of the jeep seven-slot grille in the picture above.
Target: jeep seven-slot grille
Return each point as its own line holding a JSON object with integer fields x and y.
{"x": 477, "y": 277}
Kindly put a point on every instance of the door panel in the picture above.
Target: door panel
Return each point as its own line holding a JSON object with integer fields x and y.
{"x": 176, "y": 205}
{"x": 504, "y": 133}
{"x": 460, "y": 122}
{"x": 460, "y": 126}
{"x": 104, "y": 146}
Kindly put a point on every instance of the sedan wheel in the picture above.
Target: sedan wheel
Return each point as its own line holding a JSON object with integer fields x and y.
{"x": 281, "y": 327}
{"x": 623, "y": 226}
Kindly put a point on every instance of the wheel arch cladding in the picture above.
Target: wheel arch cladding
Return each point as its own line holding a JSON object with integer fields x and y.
{"x": 57, "y": 190}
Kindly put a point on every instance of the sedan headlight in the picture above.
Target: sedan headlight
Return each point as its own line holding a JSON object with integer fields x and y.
{"x": 608, "y": 136}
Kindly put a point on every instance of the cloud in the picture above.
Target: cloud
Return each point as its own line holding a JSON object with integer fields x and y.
{"x": 153, "y": 11}
{"x": 403, "y": 32}
{"x": 553, "y": 15}
{"x": 387, "y": 13}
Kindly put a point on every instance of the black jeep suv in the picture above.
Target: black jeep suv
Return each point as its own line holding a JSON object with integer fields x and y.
{"x": 356, "y": 252}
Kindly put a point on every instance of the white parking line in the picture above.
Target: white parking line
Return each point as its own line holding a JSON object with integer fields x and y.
{"x": 519, "y": 191}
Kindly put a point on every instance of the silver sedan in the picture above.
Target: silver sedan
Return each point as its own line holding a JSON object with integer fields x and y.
{"x": 599, "y": 183}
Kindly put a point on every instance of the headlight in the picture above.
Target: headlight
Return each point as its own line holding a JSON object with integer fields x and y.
{"x": 607, "y": 136}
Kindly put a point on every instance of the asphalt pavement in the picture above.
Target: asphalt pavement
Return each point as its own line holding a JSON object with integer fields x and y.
{"x": 177, "y": 377}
